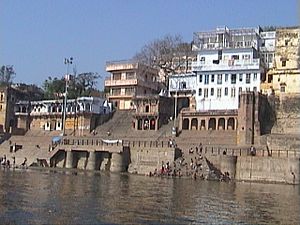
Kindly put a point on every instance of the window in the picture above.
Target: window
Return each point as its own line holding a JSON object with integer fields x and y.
{"x": 200, "y": 78}
{"x": 200, "y": 92}
{"x": 205, "y": 92}
{"x": 286, "y": 42}
{"x": 241, "y": 77}
{"x": 247, "y": 89}
{"x": 226, "y": 77}
{"x": 183, "y": 85}
{"x": 206, "y": 79}
{"x": 212, "y": 91}
{"x": 236, "y": 57}
{"x": 226, "y": 91}
{"x": 130, "y": 75}
{"x": 282, "y": 89}
{"x": 233, "y": 92}
{"x": 233, "y": 78}
{"x": 202, "y": 59}
{"x": 240, "y": 90}
{"x": 248, "y": 76}
{"x": 219, "y": 80}
{"x": 283, "y": 63}
{"x": 270, "y": 78}
{"x": 116, "y": 76}
{"x": 219, "y": 90}
{"x": 212, "y": 78}
{"x": 255, "y": 89}
{"x": 255, "y": 76}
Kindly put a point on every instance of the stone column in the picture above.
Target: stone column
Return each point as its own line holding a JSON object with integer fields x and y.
{"x": 69, "y": 159}
{"x": 190, "y": 124}
{"x": 235, "y": 123}
{"x": 206, "y": 123}
{"x": 156, "y": 124}
{"x": 217, "y": 123}
{"x": 226, "y": 120}
{"x": 91, "y": 163}
{"x": 117, "y": 164}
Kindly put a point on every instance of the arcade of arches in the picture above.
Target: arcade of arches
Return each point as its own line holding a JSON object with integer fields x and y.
{"x": 146, "y": 123}
{"x": 209, "y": 123}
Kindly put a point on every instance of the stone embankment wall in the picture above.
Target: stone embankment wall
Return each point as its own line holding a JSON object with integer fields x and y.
{"x": 287, "y": 108}
{"x": 259, "y": 169}
{"x": 147, "y": 159}
{"x": 268, "y": 169}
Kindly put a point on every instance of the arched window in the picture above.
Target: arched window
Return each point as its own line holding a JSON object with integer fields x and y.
{"x": 87, "y": 107}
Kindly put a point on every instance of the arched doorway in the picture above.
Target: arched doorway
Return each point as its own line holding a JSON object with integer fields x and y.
{"x": 194, "y": 124}
{"x": 230, "y": 124}
{"x": 202, "y": 125}
{"x": 140, "y": 123}
{"x": 221, "y": 124}
{"x": 152, "y": 124}
{"x": 212, "y": 124}
{"x": 185, "y": 124}
{"x": 146, "y": 124}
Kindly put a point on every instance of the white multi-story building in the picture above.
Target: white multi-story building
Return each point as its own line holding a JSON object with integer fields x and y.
{"x": 267, "y": 48}
{"x": 227, "y": 64}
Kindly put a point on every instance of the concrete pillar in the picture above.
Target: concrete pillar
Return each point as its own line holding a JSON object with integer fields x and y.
{"x": 117, "y": 164}
{"x": 69, "y": 159}
{"x": 91, "y": 163}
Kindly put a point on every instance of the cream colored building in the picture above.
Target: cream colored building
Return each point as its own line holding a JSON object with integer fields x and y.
{"x": 129, "y": 79}
{"x": 285, "y": 76}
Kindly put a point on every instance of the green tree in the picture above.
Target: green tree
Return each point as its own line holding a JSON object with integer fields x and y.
{"x": 7, "y": 74}
{"x": 83, "y": 84}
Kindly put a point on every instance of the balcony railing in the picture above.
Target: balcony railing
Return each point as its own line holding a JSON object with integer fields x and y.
{"x": 110, "y": 82}
{"x": 226, "y": 65}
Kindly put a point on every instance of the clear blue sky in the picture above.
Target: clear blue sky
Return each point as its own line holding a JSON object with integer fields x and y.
{"x": 36, "y": 35}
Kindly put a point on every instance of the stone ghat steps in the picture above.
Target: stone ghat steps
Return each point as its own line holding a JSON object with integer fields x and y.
{"x": 42, "y": 133}
{"x": 120, "y": 123}
{"x": 207, "y": 137}
{"x": 32, "y": 148}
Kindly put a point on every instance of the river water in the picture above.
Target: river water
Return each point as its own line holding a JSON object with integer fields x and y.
{"x": 77, "y": 197}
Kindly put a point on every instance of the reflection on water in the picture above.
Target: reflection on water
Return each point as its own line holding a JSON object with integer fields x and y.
{"x": 65, "y": 197}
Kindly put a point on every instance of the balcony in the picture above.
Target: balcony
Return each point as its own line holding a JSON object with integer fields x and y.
{"x": 227, "y": 65}
{"x": 110, "y": 82}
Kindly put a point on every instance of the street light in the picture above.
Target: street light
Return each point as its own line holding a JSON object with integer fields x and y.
{"x": 67, "y": 62}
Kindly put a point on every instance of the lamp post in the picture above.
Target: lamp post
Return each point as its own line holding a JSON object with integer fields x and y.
{"x": 67, "y": 62}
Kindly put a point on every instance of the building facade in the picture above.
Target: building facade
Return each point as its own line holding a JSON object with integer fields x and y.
{"x": 227, "y": 63}
{"x": 152, "y": 112}
{"x": 82, "y": 115}
{"x": 129, "y": 79}
{"x": 285, "y": 75}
